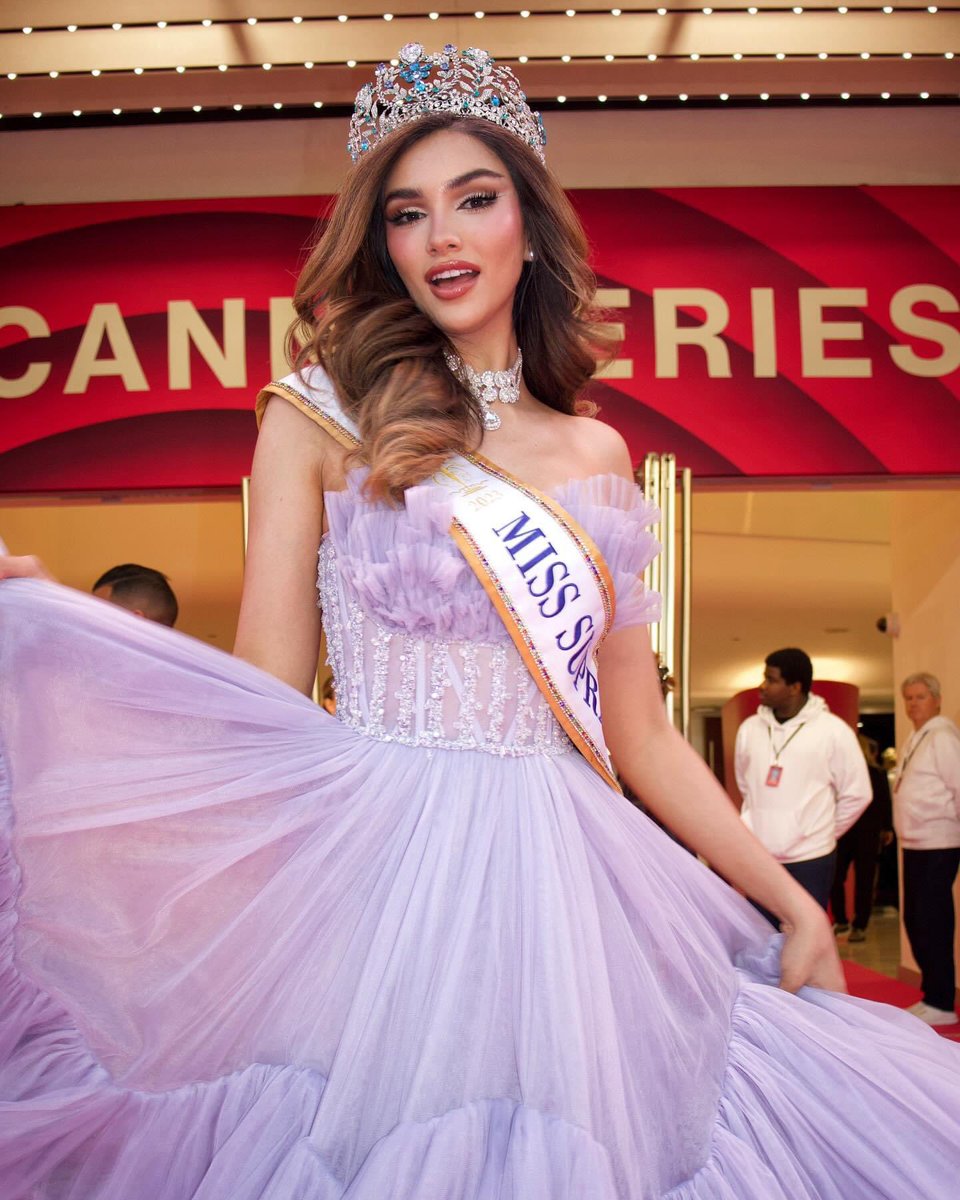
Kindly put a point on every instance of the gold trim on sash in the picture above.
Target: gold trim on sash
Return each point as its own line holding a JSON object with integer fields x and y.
{"x": 308, "y": 408}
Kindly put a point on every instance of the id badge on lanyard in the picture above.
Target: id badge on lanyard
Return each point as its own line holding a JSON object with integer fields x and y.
{"x": 775, "y": 773}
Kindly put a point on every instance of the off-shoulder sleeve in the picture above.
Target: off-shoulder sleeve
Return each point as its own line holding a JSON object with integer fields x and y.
{"x": 618, "y": 517}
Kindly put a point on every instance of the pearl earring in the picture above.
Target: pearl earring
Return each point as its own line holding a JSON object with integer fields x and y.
{"x": 529, "y": 256}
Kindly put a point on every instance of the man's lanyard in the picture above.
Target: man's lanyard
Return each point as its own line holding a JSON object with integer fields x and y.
{"x": 909, "y": 759}
{"x": 775, "y": 774}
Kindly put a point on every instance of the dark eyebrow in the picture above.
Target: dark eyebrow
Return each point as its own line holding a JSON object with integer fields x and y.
{"x": 450, "y": 186}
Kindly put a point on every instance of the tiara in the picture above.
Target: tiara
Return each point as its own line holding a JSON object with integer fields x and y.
{"x": 467, "y": 83}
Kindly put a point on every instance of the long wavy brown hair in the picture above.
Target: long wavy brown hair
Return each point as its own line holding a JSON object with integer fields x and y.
{"x": 386, "y": 357}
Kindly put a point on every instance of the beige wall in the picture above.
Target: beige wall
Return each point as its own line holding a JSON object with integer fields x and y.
{"x": 196, "y": 541}
{"x": 925, "y": 559}
{"x": 617, "y": 148}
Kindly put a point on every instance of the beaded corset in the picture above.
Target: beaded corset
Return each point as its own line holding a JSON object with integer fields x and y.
{"x": 418, "y": 652}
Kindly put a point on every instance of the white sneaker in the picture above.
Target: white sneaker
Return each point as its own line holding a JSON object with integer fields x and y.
{"x": 933, "y": 1016}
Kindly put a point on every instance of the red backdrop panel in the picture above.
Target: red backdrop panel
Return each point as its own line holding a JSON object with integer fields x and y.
{"x": 767, "y": 391}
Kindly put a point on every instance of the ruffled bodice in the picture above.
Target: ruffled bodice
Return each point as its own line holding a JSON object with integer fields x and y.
{"x": 418, "y": 652}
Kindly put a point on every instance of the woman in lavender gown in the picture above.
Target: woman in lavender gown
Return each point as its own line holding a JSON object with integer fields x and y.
{"x": 424, "y": 949}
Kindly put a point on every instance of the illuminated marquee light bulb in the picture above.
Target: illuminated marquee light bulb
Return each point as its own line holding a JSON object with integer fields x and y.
{"x": 268, "y": 66}
{"x": 614, "y": 12}
{"x": 948, "y": 54}
{"x": 523, "y": 59}
{"x": 318, "y": 104}
{"x": 524, "y": 12}
{"x": 343, "y": 18}
{"x": 764, "y": 95}
{"x": 804, "y": 95}
{"x": 683, "y": 96}
{"x": 308, "y": 66}
{"x": 11, "y": 75}
{"x": 40, "y": 114}
{"x": 95, "y": 72}
{"x": 116, "y": 26}
{"x": 884, "y": 95}
{"x": 737, "y": 57}
{"x": 780, "y": 56}
{"x": 907, "y": 54}
{"x": 924, "y": 95}
{"x": 78, "y": 112}
{"x": 351, "y": 62}
{"x": 161, "y": 24}
{"x": 156, "y": 109}
{"x": 434, "y": 16}
{"x": 561, "y": 99}
{"x": 206, "y": 23}
{"x": 602, "y": 99}
{"x": 571, "y": 12}
{"x": 694, "y": 57}
{"x": 822, "y": 55}
{"x": 642, "y": 98}
{"x": 72, "y": 29}
{"x": 117, "y": 112}
{"x": 388, "y": 16}
{"x": 250, "y": 21}
{"x": 565, "y": 58}
{"x": 608, "y": 58}
{"x": 296, "y": 21}
{"x": 198, "y": 108}
{"x": 887, "y": 9}
{"x": 844, "y": 95}
{"x": 238, "y": 108}
{"x": 180, "y": 70}
{"x": 651, "y": 58}
{"x": 138, "y": 70}
{"x": 277, "y": 104}
{"x": 54, "y": 74}
{"x": 479, "y": 14}
{"x": 724, "y": 95}
{"x": 222, "y": 67}
{"x": 29, "y": 29}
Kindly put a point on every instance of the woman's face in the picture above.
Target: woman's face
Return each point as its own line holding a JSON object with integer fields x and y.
{"x": 455, "y": 235}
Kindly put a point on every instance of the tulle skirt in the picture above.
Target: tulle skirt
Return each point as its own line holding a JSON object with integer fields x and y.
{"x": 249, "y": 954}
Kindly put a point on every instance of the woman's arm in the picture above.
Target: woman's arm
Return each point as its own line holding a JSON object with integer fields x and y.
{"x": 279, "y": 626}
{"x": 674, "y": 782}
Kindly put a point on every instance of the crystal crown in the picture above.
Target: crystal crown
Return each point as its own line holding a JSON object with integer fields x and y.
{"x": 467, "y": 83}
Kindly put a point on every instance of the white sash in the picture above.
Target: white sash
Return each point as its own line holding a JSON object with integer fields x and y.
{"x": 544, "y": 575}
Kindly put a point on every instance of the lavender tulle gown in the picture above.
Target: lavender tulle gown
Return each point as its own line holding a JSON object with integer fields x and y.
{"x": 419, "y": 952}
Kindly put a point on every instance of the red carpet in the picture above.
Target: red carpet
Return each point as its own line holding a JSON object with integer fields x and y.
{"x": 871, "y": 985}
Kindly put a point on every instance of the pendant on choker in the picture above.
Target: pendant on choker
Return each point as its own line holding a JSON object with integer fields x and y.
{"x": 486, "y": 387}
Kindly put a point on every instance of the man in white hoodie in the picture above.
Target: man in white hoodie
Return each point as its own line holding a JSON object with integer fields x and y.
{"x": 801, "y": 774}
{"x": 926, "y": 815}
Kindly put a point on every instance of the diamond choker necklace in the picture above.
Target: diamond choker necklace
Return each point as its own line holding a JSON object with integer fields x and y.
{"x": 489, "y": 386}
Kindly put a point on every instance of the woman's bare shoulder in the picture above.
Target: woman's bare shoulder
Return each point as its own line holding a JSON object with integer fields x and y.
{"x": 600, "y": 448}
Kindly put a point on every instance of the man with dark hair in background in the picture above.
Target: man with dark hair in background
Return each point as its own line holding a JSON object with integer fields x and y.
{"x": 800, "y": 772}
{"x": 142, "y": 590}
